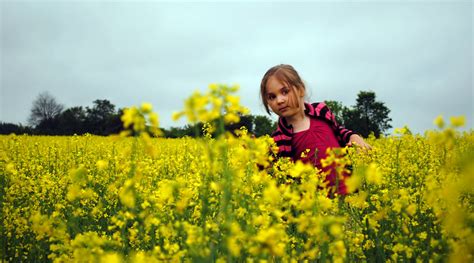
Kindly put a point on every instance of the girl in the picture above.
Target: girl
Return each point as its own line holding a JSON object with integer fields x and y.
{"x": 302, "y": 126}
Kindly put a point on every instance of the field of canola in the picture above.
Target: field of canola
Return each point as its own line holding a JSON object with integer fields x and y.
{"x": 142, "y": 199}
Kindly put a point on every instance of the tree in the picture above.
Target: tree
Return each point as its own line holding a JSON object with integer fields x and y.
{"x": 258, "y": 125}
{"x": 263, "y": 125}
{"x": 99, "y": 117}
{"x": 115, "y": 124}
{"x": 337, "y": 109}
{"x": 245, "y": 121}
{"x": 8, "y": 128}
{"x": 101, "y": 111}
{"x": 44, "y": 110}
{"x": 71, "y": 121}
{"x": 368, "y": 115}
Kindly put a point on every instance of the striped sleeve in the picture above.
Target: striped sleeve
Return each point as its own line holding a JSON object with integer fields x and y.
{"x": 345, "y": 134}
{"x": 283, "y": 142}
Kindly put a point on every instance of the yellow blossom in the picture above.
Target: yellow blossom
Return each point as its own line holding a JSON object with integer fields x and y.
{"x": 146, "y": 107}
{"x": 439, "y": 121}
{"x": 101, "y": 164}
{"x": 458, "y": 121}
{"x": 373, "y": 174}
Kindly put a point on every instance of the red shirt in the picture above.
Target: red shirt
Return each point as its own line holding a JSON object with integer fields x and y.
{"x": 318, "y": 138}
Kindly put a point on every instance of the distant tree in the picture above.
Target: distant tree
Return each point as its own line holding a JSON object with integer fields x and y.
{"x": 101, "y": 110}
{"x": 9, "y": 128}
{"x": 368, "y": 115}
{"x": 170, "y": 133}
{"x": 72, "y": 120}
{"x": 192, "y": 130}
{"x": 263, "y": 125}
{"x": 337, "y": 109}
{"x": 115, "y": 124}
{"x": 246, "y": 121}
{"x": 48, "y": 127}
{"x": 44, "y": 110}
{"x": 196, "y": 129}
{"x": 99, "y": 117}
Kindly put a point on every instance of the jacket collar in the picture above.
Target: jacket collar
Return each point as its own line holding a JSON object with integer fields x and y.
{"x": 286, "y": 128}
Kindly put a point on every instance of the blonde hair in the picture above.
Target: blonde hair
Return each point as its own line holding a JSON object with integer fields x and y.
{"x": 285, "y": 74}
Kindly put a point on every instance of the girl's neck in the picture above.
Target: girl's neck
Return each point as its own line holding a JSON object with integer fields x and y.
{"x": 300, "y": 122}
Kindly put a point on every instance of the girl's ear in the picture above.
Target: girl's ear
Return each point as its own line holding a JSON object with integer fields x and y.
{"x": 301, "y": 92}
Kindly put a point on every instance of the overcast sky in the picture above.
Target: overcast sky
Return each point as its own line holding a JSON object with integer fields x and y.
{"x": 416, "y": 56}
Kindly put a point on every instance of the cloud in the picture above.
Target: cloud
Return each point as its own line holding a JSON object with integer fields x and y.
{"x": 417, "y": 57}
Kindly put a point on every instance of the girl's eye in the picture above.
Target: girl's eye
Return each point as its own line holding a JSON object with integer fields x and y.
{"x": 271, "y": 97}
{"x": 285, "y": 91}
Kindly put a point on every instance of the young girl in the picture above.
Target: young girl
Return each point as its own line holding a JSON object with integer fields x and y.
{"x": 302, "y": 126}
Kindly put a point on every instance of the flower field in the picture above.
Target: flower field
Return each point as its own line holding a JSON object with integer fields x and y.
{"x": 141, "y": 199}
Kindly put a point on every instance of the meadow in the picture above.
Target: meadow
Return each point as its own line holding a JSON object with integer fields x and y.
{"x": 136, "y": 198}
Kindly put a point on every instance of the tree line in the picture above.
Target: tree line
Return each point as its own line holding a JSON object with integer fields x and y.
{"x": 49, "y": 117}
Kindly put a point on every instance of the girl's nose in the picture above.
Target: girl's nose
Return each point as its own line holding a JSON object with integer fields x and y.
{"x": 280, "y": 99}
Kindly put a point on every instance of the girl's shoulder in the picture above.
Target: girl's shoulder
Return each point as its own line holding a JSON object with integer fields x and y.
{"x": 316, "y": 109}
{"x": 321, "y": 110}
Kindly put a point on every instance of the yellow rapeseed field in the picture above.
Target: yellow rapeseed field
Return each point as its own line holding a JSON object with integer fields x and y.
{"x": 136, "y": 198}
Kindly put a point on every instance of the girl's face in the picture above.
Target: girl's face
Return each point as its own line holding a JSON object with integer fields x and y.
{"x": 283, "y": 100}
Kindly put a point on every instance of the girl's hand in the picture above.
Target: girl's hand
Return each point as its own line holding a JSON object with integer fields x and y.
{"x": 356, "y": 140}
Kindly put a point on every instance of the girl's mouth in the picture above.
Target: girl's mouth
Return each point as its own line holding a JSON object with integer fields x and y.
{"x": 283, "y": 109}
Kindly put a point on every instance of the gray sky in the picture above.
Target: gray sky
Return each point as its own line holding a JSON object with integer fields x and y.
{"x": 416, "y": 56}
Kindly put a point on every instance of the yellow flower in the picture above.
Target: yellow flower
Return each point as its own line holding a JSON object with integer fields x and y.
{"x": 231, "y": 118}
{"x": 335, "y": 230}
{"x": 215, "y": 104}
{"x": 439, "y": 121}
{"x": 234, "y": 100}
{"x": 128, "y": 116}
{"x": 324, "y": 202}
{"x": 111, "y": 258}
{"x": 353, "y": 182}
{"x": 233, "y": 246}
{"x": 79, "y": 175}
{"x": 338, "y": 250}
{"x": 154, "y": 120}
{"x": 146, "y": 107}
{"x": 458, "y": 121}
{"x": 127, "y": 195}
{"x": 145, "y": 204}
{"x": 369, "y": 244}
{"x": 358, "y": 200}
{"x": 272, "y": 238}
{"x": 422, "y": 235}
{"x": 101, "y": 164}
{"x": 177, "y": 115}
{"x": 373, "y": 174}
{"x": 10, "y": 168}
{"x": 213, "y": 86}
{"x": 411, "y": 209}
{"x": 271, "y": 193}
{"x": 73, "y": 192}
